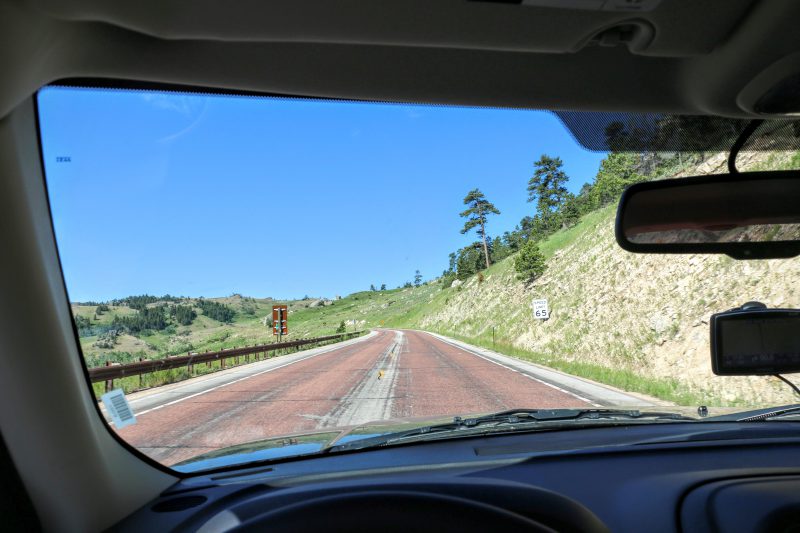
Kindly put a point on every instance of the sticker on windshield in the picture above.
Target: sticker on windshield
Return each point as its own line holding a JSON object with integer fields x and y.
{"x": 119, "y": 409}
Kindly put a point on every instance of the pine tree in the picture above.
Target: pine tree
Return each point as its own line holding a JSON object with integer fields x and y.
{"x": 529, "y": 263}
{"x": 546, "y": 188}
{"x": 479, "y": 208}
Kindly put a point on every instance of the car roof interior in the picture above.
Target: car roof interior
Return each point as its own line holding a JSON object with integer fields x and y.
{"x": 689, "y": 57}
{"x": 681, "y": 57}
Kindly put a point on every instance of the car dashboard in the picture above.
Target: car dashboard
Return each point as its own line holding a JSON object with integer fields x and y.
{"x": 707, "y": 476}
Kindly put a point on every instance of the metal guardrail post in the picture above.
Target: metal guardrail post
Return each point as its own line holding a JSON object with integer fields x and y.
{"x": 109, "y": 382}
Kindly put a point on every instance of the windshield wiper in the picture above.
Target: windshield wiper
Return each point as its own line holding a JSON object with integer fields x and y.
{"x": 773, "y": 413}
{"x": 516, "y": 418}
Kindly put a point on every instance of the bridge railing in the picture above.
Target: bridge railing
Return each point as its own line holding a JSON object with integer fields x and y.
{"x": 110, "y": 372}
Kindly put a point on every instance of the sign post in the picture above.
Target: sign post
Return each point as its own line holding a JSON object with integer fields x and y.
{"x": 541, "y": 311}
{"x": 280, "y": 326}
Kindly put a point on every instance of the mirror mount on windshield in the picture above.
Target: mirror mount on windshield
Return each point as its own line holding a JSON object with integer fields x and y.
{"x": 744, "y": 136}
{"x": 754, "y": 215}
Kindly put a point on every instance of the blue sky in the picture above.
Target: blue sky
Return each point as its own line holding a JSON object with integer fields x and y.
{"x": 211, "y": 195}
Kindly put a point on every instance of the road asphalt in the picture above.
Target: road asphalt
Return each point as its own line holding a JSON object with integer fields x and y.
{"x": 387, "y": 374}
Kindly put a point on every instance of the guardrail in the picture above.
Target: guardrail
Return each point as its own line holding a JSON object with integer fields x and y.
{"x": 116, "y": 371}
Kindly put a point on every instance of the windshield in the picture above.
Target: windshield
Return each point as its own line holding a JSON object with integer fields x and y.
{"x": 257, "y": 277}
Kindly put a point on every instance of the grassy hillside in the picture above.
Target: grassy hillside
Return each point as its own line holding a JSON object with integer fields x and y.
{"x": 639, "y": 322}
{"x": 636, "y": 321}
{"x": 307, "y": 318}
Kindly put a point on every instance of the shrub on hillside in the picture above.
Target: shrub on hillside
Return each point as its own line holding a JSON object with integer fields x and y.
{"x": 529, "y": 263}
{"x": 147, "y": 318}
{"x": 140, "y": 302}
{"x": 216, "y": 310}
{"x": 470, "y": 261}
{"x": 83, "y": 324}
{"x": 342, "y": 328}
{"x": 113, "y": 357}
{"x": 183, "y": 314}
{"x": 447, "y": 279}
{"x": 107, "y": 340}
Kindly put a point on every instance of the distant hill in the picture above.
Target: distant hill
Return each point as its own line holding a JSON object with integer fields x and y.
{"x": 104, "y": 339}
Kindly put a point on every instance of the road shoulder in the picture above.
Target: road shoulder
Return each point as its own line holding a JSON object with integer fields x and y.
{"x": 596, "y": 393}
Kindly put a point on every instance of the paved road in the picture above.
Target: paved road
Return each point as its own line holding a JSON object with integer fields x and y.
{"x": 389, "y": 374}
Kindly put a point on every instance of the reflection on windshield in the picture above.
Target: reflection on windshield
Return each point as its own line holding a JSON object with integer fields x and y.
{"x": 755, "y": 233}
{"x": 254, "y": 272}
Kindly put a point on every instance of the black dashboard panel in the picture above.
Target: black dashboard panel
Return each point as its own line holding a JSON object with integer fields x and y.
{"x": 633, "y": 478}
{"x": 769, "y": 503}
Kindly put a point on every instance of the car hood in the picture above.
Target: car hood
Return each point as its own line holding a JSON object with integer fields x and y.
{"x": 299, "y": 444}
{"x": 309, "y": 443}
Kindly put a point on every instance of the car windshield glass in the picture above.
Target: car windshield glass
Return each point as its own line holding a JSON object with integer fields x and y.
{"x": 254, "y": 278}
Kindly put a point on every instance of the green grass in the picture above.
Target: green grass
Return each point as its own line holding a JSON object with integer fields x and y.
{"x": 777, "y": 161}
{"x": 562, "y": 239}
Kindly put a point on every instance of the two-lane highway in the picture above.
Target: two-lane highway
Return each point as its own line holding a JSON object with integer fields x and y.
{"x": 390, "y": 374}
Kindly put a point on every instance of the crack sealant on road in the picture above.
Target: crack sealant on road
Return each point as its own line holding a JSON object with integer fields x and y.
{"x": 371, "y": 399}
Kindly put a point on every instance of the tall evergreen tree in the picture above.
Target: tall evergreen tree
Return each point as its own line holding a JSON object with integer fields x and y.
{"x": 546, "y": 188}
{"x": 479, "y": 208}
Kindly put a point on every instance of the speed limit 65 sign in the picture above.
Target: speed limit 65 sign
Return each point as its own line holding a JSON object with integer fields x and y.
{"x": 540, "y": 309}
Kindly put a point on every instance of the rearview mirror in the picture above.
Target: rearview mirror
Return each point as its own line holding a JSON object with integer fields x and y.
{"x": 754, "y": 215}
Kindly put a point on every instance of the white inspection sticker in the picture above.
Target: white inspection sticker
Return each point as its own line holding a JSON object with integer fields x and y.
{"x": 118, "y": 407}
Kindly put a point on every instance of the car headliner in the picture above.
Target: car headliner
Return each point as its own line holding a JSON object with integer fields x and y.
{"x": 690, "y": 57}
